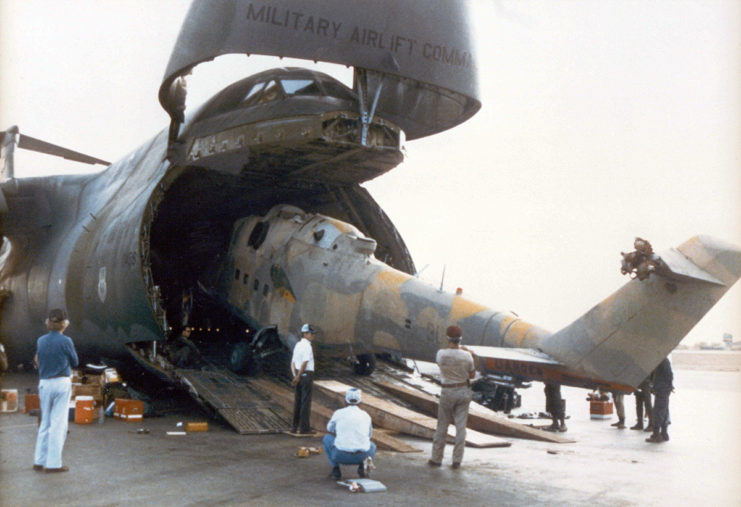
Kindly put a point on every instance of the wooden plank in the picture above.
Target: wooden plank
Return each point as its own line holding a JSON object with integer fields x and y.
{"x": 394, "y": 417}
{"x": 480, "y": 418}
{"x": 320, "y": 415}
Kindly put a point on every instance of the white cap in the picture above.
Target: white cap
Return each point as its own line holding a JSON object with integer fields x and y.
{"x": 306, "y": 328}
{"x": 352, "y": 396}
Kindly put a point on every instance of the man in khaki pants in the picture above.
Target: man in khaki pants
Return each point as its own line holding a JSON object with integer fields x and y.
{"x": 457, "y": 368}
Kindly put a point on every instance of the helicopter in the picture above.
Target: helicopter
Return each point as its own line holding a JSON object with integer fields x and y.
{"x": 122, "y": 250}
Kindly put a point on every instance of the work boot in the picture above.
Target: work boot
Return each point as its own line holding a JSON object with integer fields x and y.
{"x": 563, "y": 427}
{"x": 553, "y": 427}
{"x": 456, "y": 465}
{"x": 655, "y": 439}
{"x": 367, "y": 466}
{"x": 637, "y": 426}
{"x": 649, "y": 428}
{"x": 665, "y": 436}
{"x": 336, "y": 474}
{"x": 433, "y": 463}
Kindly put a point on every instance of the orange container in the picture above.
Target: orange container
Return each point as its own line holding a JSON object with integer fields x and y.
{"x": 10, "y": 401}
{"x": 600, "y": 409}
{"x": 84, "y": 409}
{"x": 192, "y": 427}
{"x": 31, "y": 402}
{"x": 128, "y": 410}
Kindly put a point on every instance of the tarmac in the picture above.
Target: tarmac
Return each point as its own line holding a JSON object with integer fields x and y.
{"x": 114, "y": 464}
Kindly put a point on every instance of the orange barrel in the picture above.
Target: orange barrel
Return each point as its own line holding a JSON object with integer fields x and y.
{"x": 84, "y": 409}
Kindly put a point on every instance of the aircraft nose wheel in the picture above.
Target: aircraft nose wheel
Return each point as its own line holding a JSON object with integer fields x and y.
{"x": 364, "y": 364}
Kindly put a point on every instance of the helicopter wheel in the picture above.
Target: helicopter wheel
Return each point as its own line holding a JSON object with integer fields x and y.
{"x": 241, "y": 359}
{"x": 365, "y": 364}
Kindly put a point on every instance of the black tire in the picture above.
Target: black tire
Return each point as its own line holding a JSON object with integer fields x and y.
{"x": 365, "y": 365}
{"x": 241, "y": 360}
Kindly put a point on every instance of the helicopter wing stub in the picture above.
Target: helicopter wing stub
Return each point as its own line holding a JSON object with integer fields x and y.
{"x": 414, "y": 54}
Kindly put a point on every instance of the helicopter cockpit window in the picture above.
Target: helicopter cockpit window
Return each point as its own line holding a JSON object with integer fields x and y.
{"x": 325, "y": 234}
{"x": 300, "y": 87}
{"x": 258, "y": 235}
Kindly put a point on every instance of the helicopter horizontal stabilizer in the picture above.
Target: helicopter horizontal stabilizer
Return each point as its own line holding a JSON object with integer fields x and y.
{"x": 624, "y": 337}
{"x": 533, "y": 365}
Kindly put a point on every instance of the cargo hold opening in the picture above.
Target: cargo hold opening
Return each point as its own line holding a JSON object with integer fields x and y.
{"x": 189, "y": 226}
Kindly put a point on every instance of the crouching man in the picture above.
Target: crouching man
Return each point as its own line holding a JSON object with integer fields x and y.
{"x": 348, "y": 441}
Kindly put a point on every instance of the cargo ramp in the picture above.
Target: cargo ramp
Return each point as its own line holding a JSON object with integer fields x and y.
{"x": 235, "y": 399}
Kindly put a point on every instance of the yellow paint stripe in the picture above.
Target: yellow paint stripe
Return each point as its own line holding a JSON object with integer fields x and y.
{"x": 462, "y": 308}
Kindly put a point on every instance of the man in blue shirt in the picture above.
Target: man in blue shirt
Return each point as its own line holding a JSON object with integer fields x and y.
{"x": 55, "y": 357}
{"x": 348, "y": 441}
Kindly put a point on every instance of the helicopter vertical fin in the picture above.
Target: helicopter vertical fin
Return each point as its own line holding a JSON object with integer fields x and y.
{"x": 625, "y": 336}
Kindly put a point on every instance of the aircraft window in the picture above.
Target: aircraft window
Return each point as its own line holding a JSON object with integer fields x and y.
{"x": 258, "y": 234}
{"x": 256, "y": 286}
{"x": 256, "y": 88}
{"x": 236, "y": 275}
{"x": 246, "y": 277}
{"x": 325, "y": 234}
{"x": 337, "y": 90}
{"x": 265, "y": 290}
{"x": 300, "y": 87}
{"x": 271, "y": 92}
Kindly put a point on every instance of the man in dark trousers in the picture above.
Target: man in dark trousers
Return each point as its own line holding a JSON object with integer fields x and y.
{"x": 663, "y": 385}
{"x": 457, "y": 368}
{"x": 302, "y": 369}
{"x": 55, "y": 357}
{"x": 643, "y": 399}
{"x": 554, "y": 405}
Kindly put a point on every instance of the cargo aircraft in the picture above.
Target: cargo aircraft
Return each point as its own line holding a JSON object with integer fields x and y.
{"x": 246, "y": 216}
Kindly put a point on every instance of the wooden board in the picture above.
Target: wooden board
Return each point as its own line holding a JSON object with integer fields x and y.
{"x": 480, "y": 418}
{"x": 320, "y": 415}
{"x": 394, "y": 417}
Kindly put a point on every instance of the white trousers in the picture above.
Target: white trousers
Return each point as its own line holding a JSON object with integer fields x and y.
{"x": 54, "y": 397}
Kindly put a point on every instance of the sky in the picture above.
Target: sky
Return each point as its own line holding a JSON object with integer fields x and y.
{"x": 601, "y": 121}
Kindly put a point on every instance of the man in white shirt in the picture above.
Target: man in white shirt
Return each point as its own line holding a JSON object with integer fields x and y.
{"x": 348, "y": 441}
{"x": 302, "y": 369}
{"x": 457, "y": 368}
